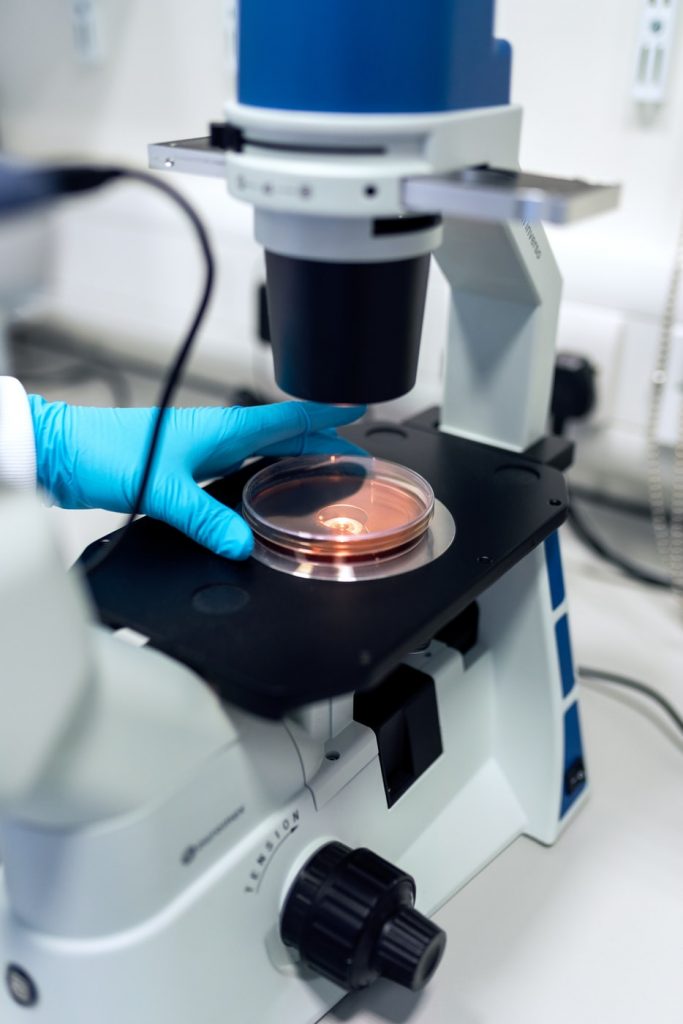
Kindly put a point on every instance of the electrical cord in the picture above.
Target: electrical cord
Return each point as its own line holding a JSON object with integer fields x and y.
{"x": 594, "y": 543}
{"x": 617, "y": 679}
{"x": 612, "y": 502}
{"x": 586, "y": 534}
{"x": 668, "y": 529}
{"x": 98, "y": 554}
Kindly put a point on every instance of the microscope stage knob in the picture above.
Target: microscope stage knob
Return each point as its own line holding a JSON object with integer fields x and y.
{"x": 350, "y": 916}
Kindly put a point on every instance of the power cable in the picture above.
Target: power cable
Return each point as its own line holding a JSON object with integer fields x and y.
{"x": 99, "y": 554}
{"x": 596, "y": 544}
{"x": 617, "y": 679}
{"x": 612, "y": 502}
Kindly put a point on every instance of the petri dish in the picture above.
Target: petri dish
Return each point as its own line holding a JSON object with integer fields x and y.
{"x": 338, "y": 509}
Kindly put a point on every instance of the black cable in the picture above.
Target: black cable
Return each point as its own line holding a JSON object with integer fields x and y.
{"x": 612, "y": 502}
{"x": 633, "y": 684}
{"x": 598, "y": 546}
{"x": 89, "y": 564}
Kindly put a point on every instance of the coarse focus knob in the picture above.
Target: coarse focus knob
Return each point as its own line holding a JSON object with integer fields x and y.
{"x": 350, "y": 916}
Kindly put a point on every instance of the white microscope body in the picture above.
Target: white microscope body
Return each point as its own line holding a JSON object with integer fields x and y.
{"x": 146, "y": 866}
{"x": 151, "y": 838}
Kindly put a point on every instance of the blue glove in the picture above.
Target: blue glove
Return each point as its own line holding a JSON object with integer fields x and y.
{"x": 94, "y": 458}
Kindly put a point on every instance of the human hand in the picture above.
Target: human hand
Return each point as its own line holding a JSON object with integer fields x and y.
{"x": 94, "y": 458}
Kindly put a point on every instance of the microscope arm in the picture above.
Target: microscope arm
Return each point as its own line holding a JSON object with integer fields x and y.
{"x": 505, "y": 291}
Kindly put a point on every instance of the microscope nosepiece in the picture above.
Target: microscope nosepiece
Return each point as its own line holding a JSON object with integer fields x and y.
{"x": 346, "y": 332}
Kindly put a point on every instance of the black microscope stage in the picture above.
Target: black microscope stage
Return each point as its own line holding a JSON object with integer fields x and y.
{"x": 270, "y": 642}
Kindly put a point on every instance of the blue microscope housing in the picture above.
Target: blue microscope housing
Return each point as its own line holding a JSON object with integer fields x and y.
{"x": 371, "y": 56}
{"x": 349, "y": 331}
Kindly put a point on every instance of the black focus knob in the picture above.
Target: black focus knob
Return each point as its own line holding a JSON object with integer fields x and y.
{"x": 350, "y": 916}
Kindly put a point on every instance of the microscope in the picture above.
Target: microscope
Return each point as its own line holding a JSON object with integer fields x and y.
{"x": 263, "y": 779}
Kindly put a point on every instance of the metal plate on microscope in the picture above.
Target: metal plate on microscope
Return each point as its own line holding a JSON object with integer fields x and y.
{"x": 269, "y": 641}
{"x": 435, "y": 542}
{"x": 489, "y": 194}
{"x": 344, "y": 517}
{"x": 189, "y": 156}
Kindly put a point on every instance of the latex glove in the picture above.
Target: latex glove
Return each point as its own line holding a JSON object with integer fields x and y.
{"x": 94, "y": 458}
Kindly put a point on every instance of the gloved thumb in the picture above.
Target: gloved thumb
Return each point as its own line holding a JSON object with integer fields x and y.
{"x": 184, "y": 505}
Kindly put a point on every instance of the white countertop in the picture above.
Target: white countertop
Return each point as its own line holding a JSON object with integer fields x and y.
{"x": 590, "y": 930}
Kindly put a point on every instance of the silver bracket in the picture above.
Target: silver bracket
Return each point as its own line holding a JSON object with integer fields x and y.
{"x": 189, "y": 156}
{"x": 474, "y": 193}
{"x": 495, "y": 195}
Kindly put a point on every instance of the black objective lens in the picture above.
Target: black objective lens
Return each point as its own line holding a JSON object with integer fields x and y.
{"x": 346, "y": 332}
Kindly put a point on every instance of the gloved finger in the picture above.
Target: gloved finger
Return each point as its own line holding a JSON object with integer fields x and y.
{"x": 248, "y": 431}
{"x": 323, "y": 443}
{"x": 184, "y": 505}
{"x": 327, "y": 442}
{"x": 258, "y": 427}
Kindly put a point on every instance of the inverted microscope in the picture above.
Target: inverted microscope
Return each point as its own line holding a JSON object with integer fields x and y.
{"x": 274, "y": 773}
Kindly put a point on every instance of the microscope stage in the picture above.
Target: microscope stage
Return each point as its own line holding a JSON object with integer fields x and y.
{"x": 268, "y": 641}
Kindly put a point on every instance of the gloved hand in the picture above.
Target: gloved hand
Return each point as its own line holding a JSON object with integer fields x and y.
{"x": 94, "y": 458}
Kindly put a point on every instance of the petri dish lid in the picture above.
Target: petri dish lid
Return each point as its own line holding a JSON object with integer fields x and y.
{"x": 338, "y": 508}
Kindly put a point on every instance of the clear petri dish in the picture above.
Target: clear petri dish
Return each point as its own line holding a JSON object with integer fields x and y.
{"x": 338, "y": 509}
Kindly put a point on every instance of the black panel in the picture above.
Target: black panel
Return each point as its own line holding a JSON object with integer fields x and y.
{"x": 262, "y": 318}
{"x": 427, "y": 420}
{"x": 574, "y": 777}
{"x": 552, "y": 450}
{"x": 223, "y": 135}
{"x": 346, "y": 332}
{"x": 574, "y": 390}
{"x": 461, "y": 633}
{"x": 404, "y": 225}
{"x": 403, "y": 714}
{"x": 270, "y": 642}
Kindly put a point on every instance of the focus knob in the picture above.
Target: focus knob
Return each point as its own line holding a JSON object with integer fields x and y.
{"x": 350, "y": 916}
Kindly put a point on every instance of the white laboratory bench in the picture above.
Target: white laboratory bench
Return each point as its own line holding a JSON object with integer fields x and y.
{"x": 590, "y": 930}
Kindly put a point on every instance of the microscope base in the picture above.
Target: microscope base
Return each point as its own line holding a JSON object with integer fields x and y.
{"x": 212, "y": 952}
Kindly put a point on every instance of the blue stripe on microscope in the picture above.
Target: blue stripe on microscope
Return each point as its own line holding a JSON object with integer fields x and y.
{"x": 553, "y": 559}
{"x": 371, "y": 56}
{"x": 564, "y": 653}
{"x": 574, "y": 777}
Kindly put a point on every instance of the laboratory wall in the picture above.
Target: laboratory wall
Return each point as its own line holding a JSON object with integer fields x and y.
{"x": 576, "y": 70}
{"x": 102, "y": 78}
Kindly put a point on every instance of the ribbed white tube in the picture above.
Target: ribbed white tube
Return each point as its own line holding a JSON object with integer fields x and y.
{"x": 17, "y": 439}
